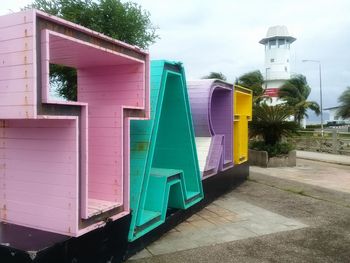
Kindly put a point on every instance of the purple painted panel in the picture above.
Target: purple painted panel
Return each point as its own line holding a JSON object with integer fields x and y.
{"x": 212, "y": 113}
{"x": 64, "y": 165}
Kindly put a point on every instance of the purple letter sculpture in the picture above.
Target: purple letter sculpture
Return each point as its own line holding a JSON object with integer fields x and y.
{"x": 64, "y": 165}
{"x": 212, "y": 113}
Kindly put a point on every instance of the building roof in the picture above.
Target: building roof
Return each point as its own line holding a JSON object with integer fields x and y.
{"x": 275, "y": 32}
{"x": 332, "y": 108}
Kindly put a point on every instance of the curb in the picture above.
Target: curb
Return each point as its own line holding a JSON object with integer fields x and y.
{"x": 324, "y": 161}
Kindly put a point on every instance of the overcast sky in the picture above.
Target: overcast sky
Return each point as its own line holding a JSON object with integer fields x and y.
{"x": 223, "y": 36}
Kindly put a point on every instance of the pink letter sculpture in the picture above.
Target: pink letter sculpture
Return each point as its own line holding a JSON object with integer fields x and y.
{"x": 212, "y": 112}
{"x": 64, "y": 165}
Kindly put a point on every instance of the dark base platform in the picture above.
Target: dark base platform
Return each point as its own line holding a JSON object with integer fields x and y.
{"x": 108, "y": 244}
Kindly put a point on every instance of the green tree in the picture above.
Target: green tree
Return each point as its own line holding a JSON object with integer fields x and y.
{"x": 295, "y": 92}
{"x": 254, "y": 81}
{"x": 125, "y": 21}
{"x": 271, "y": 123}
{"x": 344, "y": 100}
{"x": 215, "y": 75}
{"x": 65, "y": 80}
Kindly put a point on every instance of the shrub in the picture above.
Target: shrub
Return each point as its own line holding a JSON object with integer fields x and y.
{"x": 270, "y": 123}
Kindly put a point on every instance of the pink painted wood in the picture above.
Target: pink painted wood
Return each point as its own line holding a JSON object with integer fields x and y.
{"x": 57, "y": 170}
{"x": 17, "y": 51}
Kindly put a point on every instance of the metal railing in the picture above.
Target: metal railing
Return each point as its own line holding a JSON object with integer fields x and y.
{"x": 332, "y": 141}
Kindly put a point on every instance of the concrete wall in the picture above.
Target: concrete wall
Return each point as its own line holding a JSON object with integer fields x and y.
{"x": 260, "y": 158}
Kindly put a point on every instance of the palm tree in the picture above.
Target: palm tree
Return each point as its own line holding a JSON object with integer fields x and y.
{"x": 295, "y": 92}
{"x": 215, "y": 75}
{"x": 254, "y": 81}
{"x": 344, "y": 99}
{"x": 270, "y": 123}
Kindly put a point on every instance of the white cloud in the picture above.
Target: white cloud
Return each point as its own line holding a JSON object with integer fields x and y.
{"x": 12, "y": 6}
{"x": 223, "y": 35}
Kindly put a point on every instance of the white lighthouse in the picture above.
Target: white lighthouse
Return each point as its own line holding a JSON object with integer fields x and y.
{"x": 277, "y": 59}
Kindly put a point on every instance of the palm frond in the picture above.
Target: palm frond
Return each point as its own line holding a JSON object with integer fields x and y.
{"x": 270, "y": 122}
{"x": 344, "y": 100}
{"x": 312, "y": 105}
{"x": 295, "y": 93}
{"x": 254, "y": 81}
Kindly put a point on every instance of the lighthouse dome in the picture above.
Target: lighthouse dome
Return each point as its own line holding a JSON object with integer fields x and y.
{"x": 275, "y": 32}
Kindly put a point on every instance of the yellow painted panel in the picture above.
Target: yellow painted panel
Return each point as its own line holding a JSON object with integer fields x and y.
{"x": 243, "y": 99}
{"x": 243, "y": 102}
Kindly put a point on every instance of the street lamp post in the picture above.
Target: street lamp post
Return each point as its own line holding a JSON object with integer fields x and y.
{"x": 320, "y": 76}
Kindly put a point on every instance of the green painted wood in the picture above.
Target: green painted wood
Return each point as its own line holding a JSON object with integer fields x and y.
{"x": 164, "y": 170}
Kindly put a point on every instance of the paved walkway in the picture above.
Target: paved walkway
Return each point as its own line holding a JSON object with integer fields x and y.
{"x": 226, "y": 219}
{"x": 324, "y": 157}
{"x": 266, "y": 219}
{"x": 322, "y": 174}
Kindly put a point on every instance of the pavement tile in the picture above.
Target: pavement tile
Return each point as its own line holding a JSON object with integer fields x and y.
{"x": 239, "y": 231}
{"x": 163, "y": 248}
{"x": 205, "y": 213}
{"x": 142, "y": 254}
{"x": 186, "y": 227}
{"x": 203, "y": 224}
{"x": 207, "y": 241}
{"x": 233, "y": 218}
{"x": 224, "y": 220}
{"x": 195, "y": 217}
{"x": 199, "y": 235}
{"x": 219, "y": 221}
{"x": 219, "y": 210}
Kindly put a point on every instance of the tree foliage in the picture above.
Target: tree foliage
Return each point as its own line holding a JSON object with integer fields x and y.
{"x": 125, "y": 21}
{"x": 270, "y": 123}
{"x": 295, "y": 93}
{"x": 215, "y": 75}
{"x": 254, "y": 81}
{"x": 344, "y": 100}
{"x": 65, "y": 80}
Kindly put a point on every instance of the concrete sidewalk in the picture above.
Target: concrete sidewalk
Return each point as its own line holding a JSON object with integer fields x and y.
{"x": 266, "y": 219}
{"x": 284, "y": 214}
{"x": 322, "y": 174}
{"x": 226, "y": 219}
{"x": 324, "y": 157}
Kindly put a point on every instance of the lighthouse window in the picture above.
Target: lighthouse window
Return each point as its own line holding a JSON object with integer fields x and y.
{"x": 272, "y": 60}
{"x": 281, "y": 43}
{"x": 272, "y": 44}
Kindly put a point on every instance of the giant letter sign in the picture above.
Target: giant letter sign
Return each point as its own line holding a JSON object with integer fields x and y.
{"x": 211, "y": 104}
{"x": 164, "y": 167}
{"x": 64, "y": 165}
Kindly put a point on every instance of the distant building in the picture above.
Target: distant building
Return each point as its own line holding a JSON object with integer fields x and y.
{"x": 333, "y": 118}
{"x": 277, "y": 59}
